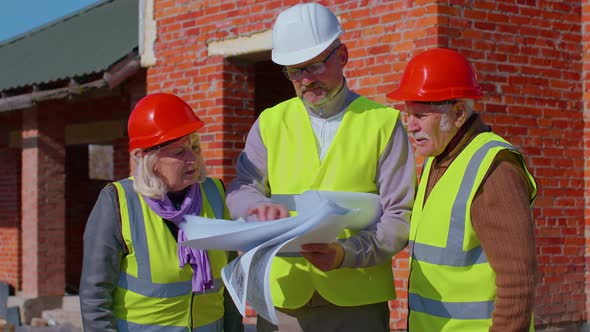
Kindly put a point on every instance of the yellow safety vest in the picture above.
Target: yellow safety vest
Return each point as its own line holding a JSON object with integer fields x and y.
{"x": 350, "y": 165}
{"x": 452, "y": 286}
{"x": 154, "y": 293}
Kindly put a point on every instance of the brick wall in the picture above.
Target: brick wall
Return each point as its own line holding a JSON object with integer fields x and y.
{"x": 40, "y": 242}
{"x": 79, "y": 200}
{"x": 527, "y": 53}
{"x": 10, "y": 242}
{"x": 43, "y": 207}
{"x": 220, "y": 91}
{"x": 586, "y": 132}
{"x": 81, "y": 191}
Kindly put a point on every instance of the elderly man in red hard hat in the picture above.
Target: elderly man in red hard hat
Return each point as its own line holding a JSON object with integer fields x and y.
{"x": 135, "y": 276}
{"x": 327, "y": 138}
{"x": 472, "y": 250}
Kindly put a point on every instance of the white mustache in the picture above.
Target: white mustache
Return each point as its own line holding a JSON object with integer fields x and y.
{"x": 312, "y": 87}
{"x": 419, "y": 135}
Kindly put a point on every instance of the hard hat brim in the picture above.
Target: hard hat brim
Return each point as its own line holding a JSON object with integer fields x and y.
{"x": 446, "y": 94}
{"x": 296, "y": 57}
{"x": 148, "y": 142}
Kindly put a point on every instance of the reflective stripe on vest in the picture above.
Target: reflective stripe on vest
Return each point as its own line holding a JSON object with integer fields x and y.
{"x": 451, "y": 283}
{"x": 146, "y": 288}
{"x": 452, "y": 254}
{"x": 125, "y": 326}
{"x": 456, "y": 310}
{"x": 294, "y": 166}
{"x": 215, "y": 199}
{"x": 287, "y": 201}
{"x": 138, "y": 232}
{"x": 174, "y": 293}
{"x": 139, "y": 237}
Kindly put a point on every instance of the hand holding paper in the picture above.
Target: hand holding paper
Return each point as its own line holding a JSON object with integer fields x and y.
{"x": 269, "y": 211}
{"x": 312, "y": 233}
{"x": 324, "y": 256}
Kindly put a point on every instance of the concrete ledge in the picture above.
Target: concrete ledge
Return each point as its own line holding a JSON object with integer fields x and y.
{"x": 242, "y": 45}
{"x": 59, "y": 309}
{"x": 565, "y": 327}
{"x": 65, "y": 328}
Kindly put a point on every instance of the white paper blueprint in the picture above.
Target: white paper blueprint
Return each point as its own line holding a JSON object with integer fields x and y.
{"x": 321, "y": 217}
{"x": 240, "y": 235}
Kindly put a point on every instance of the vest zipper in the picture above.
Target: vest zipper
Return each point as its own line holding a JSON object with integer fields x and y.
{"x": 190, "y": 312}
{"x": 323, "y": 138}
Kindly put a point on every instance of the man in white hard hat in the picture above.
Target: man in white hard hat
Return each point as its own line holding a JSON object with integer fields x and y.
{"x": 327, "y": 138}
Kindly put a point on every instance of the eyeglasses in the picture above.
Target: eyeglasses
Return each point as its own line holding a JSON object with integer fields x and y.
{"x": 315, "y": 68}
{"x": 161, "y": 145}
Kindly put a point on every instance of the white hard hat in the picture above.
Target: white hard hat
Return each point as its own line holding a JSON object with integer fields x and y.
{"x": 302, "y": 32}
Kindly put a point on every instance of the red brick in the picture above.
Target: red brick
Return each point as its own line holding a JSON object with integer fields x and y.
{"x": 528, "y": 58}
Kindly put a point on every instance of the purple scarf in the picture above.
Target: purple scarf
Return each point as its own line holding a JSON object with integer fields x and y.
{"x": 197, "y": 258}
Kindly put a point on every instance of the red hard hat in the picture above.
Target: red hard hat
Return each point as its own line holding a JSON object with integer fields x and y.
{"x": 158, "y": 118}
{"x": 436, "y": 75}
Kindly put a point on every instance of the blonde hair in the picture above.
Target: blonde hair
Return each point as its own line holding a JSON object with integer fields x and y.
{"x": 149, "y": 183}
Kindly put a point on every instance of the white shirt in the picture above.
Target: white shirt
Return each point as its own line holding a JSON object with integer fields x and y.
{"x": 325, "y": 129}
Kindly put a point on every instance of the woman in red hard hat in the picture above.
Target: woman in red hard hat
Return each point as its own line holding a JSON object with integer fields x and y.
{"x": 472, "y": 249}
{"x": 135, "y": 276}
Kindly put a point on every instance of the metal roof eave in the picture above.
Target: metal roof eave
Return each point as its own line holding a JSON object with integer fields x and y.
{"x": 110, "y": 79}
{"x": 89, "y": 41}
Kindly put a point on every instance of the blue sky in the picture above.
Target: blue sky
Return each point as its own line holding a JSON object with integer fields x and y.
{"x": 19, "y": 16}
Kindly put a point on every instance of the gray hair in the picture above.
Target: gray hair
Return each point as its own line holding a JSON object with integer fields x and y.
{"x": 445, "y": 121}
{"x": 469, "y": 103}
{"x": 149, "y": 183}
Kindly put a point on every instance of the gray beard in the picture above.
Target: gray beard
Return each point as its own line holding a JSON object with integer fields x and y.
{"x": 319, "y": 108}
